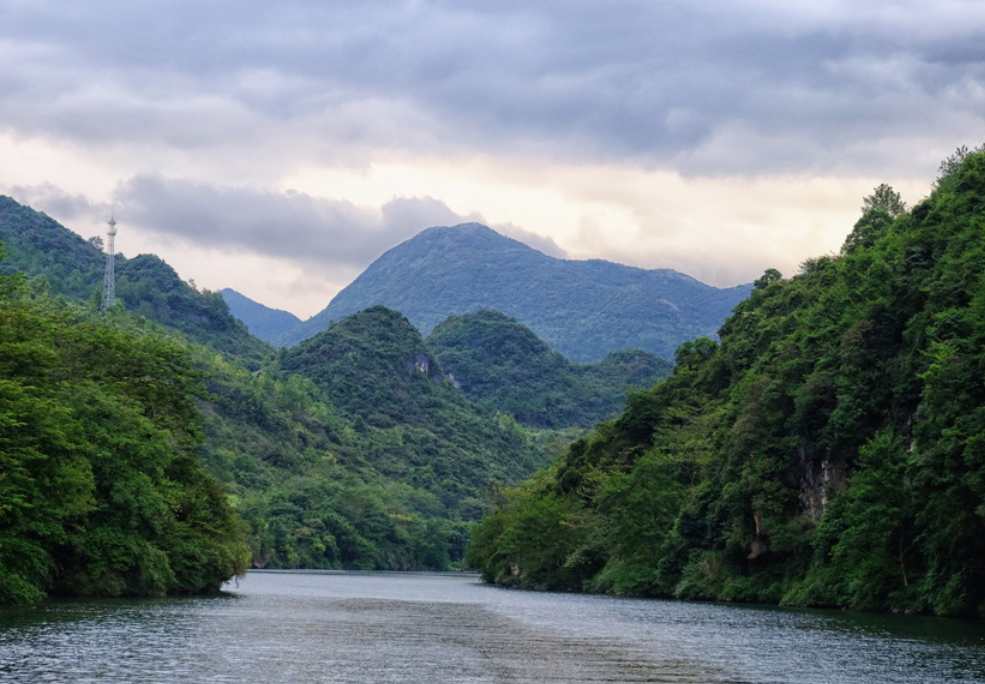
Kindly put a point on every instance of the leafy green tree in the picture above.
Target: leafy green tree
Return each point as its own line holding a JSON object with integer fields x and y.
{"x": 884, "y": 196}
{"x": 101, "y": 492}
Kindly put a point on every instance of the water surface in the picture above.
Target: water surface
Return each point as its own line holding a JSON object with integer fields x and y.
{"x": 383, "y": 627}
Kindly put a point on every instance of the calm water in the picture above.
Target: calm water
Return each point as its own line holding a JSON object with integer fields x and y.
{"x": 362, "y": 628}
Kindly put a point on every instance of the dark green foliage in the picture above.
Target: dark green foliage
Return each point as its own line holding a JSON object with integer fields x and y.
{"x": 886, "y": 198}
{"x": 502, "y": 365}
{"x": 306, "y": 482}
{"x": 828, "y": 452}
{"x": 539, "y": 538}
{"x": 582, "y": 309}
{"x": 414, "y": 425}
{"x": 100, "y": 493}
{"x": 37, "y": 245}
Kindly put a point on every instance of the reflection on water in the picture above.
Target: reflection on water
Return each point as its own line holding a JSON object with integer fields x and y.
{"x": 361, "y": 628}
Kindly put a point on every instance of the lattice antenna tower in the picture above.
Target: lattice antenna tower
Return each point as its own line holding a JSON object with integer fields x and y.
{"x": 109, "y": 283}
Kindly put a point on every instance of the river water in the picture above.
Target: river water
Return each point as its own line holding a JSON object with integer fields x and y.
{"x": 361, "y": 628}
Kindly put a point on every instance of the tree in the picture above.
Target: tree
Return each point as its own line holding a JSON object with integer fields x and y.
{"x": 770, "y": 275}
{"x": 879, "y": 210}
{"x": 884, "y": 196}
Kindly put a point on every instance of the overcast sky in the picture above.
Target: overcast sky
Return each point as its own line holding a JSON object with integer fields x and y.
{"x": 278, "y": 148}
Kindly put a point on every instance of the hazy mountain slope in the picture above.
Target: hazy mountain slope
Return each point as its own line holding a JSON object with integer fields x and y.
{"x": 73, "y": 267}
{"x": 583, "y": 309}
{"x": 502, "y": 365}
{"x": 262, "y": 321}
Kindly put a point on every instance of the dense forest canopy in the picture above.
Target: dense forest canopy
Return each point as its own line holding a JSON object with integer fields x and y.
{"x": 101, "y": 492}
{"x": 502, "y": 365}
{"x": 829, "y": 451}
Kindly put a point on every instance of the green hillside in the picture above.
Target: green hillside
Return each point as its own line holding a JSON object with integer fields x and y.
{"x": 415, "y": 425}
{"x": 828, "y": 452}
{"x": 502, "y": 365}
{"x": 312, "y": 487}
{"x": 322, "y": 477}
{"x": 73, "y": 267}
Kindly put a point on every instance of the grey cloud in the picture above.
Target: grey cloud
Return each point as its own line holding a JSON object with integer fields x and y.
{"x": 653, "y": 83}
{"x": 56, "y": 202}
{"x": 539, "y": 242}
{"x": 416, "y": 214}
{"x": 318, "y": 232}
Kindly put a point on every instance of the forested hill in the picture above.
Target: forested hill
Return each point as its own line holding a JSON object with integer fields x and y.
{"x": 502, "y": 365}
{"x": 415, "y": 425}
{"x": 828, "y": 452}
{"x": 73, "y": 267}
{"x": 583, "y": 309}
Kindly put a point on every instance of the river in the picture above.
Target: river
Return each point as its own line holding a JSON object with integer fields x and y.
{"x": 361, "y": 628}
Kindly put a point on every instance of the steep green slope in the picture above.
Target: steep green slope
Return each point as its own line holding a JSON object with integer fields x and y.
{"x": 502, "y": 365}
{"x": 304, "y": 479}
{"x": 583, "y": 309}
{"x": 43, "y": 249}
{"x": 415, "y": 425}
{"x": 40, "y": 247}
{"x": 829, "y": 452}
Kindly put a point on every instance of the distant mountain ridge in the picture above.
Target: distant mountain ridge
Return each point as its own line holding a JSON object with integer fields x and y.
{"x": 260, "y": 320}
{"x": 583, "y": 309}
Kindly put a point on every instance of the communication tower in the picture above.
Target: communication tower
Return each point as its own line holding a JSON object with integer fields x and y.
{"x": 109, "y": 283}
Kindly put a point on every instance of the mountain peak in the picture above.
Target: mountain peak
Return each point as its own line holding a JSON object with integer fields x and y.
{"x": 461, "y": 237}
{"x": 583, "y": 309}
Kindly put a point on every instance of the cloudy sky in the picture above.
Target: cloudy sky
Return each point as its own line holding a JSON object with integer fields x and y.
{"x": 278, "y": 148}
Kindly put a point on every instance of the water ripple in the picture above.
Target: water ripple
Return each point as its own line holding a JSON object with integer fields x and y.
{"x": 363, "y": 628}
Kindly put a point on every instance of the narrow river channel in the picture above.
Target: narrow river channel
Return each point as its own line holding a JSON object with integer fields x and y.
{"x": 307, "y": 628}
